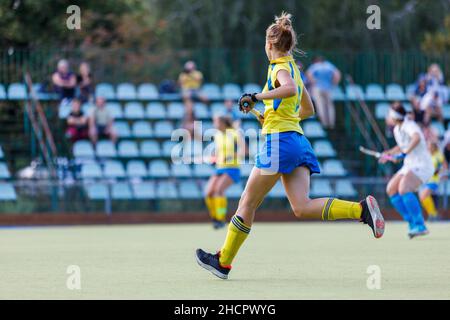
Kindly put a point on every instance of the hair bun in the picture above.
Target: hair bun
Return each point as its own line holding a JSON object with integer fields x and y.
{"x": 284, "y": 20}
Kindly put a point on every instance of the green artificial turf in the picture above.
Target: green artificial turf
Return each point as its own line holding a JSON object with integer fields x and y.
{"x": 278, "y": 261}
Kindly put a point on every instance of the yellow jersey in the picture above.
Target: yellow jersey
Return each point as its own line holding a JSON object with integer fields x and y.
{"x": 281, "y": 115}
{"x": 191, "y": 81}
{"x": 438, "y": 160}
{"x": 226, "y": 144}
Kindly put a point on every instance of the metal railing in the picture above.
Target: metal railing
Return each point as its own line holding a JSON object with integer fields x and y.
{"x": 41, "y": 129}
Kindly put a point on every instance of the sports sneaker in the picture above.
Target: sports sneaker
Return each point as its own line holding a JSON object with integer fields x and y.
{"x": 418, "y": 231}
{"x": 218, "y": 224}
{"x": 211, "y": 263}
{"x": 372, "y": 216}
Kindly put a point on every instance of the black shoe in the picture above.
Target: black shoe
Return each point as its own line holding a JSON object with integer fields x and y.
{"x": 218, "y": 224}
{"x": 211, "y": 263}
{"x": 372, "y": 216}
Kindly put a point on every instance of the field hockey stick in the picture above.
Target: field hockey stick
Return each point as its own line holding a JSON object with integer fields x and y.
{"x": 379, "y": 155}
{"x": 259, "y": 116}
{"x": 369, "y": 152}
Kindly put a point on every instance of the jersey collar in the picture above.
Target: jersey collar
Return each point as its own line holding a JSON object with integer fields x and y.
{"x": 282, "y": 59}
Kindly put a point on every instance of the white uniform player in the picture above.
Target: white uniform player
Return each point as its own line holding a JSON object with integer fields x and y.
{"x": 418, "y": 160}
{"x": 417, "y": 169}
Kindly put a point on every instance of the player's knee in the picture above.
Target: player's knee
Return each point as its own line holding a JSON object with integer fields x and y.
{"x": 218, "y": 192}
{"x": 391, "y": 190}
{"x": 300, "y": 209}
{"x": 298, "y": 212}
{"x": 402, "y": 189}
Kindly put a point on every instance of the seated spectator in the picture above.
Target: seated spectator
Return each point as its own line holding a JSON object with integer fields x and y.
{"x": 431, "y": 103}
{"x": 232, "y": 112}
{"x": 101, "y": 122}
{"x": 77, "y": 123}
{"x": 323, "y": 76}
{"x": 64, "y": 81}
{"x": 168, "y": 86}
{"x": 419, "y": 92}
{"x": 84, "y": 82}
{"x": 190, "y": 81}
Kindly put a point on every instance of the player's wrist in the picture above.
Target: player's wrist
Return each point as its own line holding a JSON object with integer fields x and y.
{"x": 254, "y": 97}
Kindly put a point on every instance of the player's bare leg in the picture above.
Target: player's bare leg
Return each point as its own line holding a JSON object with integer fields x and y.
{"x": 297, "y": 184}
{"x": 258, "y": 185}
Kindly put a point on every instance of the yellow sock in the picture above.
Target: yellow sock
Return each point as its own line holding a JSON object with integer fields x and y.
{"x": 336, "y": 209}
{"x": 221, "y": 208}
{"x": 237, "y": 233}
{"x": 430, "y": 208}
{"x": 211, "y": 207}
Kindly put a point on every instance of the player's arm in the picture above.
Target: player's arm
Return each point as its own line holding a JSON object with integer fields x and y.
{"x": 387, "y": 155}
{"x": 307, "y": 106}
{"x": 285, "y": 89}
{"x": 415, "y": 140}
{"x": 392, "y": 151}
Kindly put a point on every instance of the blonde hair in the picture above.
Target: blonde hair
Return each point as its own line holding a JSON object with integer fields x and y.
{"x": 281, "y": 34}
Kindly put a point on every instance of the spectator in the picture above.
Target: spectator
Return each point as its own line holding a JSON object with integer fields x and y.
{"x": 101, "y": 122}
{"x": 190, "y": 81}
{"x": 84, "y": 81}
{"x": 77, "y": 123}
{"x": 323, "y": 76}
{"x": 232, "y": 113}
{"x": 419, "y": 92}
{"x": 431, "y": 103}
{"x": 64, "y": 81}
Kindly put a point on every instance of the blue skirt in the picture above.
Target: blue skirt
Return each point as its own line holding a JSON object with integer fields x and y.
{"x": 283, "y": 152}
{"x": 433, "y": 186}
{"x": 233, "y": 173}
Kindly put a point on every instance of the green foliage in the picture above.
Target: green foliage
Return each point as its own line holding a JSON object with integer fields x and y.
{"x": 149, "y": 40}
{"x": 439, "y": 41}
{"x": 321, "y": 24}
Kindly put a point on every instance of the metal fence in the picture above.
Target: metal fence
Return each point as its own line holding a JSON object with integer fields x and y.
{"x": 218, "y": 65}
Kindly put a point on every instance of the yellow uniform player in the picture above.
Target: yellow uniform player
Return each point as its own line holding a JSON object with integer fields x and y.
{"x": 286, "y": 154}
{"x": 229, "y": 146}
{"x": 431, "y": 187}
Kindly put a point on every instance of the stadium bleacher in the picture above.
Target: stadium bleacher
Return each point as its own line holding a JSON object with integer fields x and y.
{"x": 145, "y": 120}
{"x": 7, "y": 191}
{"x": 144, "y": 124}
